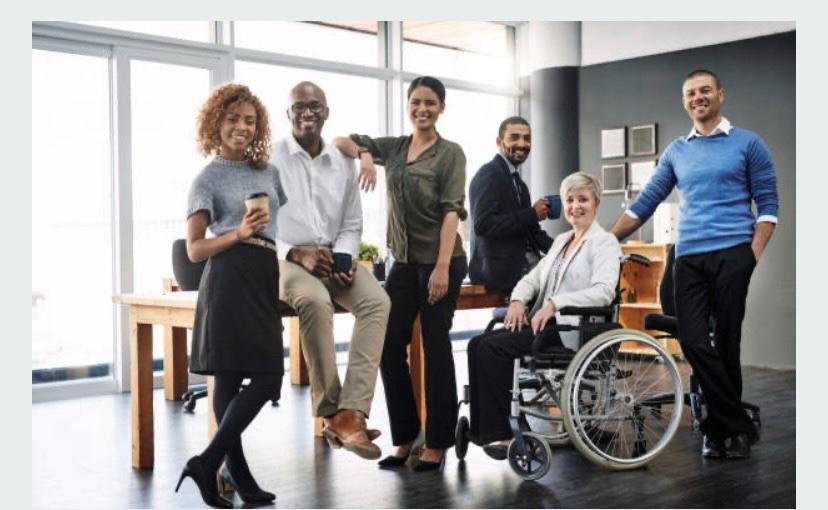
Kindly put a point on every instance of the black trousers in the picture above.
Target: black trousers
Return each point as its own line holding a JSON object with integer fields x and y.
{"x": 491, "y": 362}
{"x": 407, "y": 286}
{"x": 715, "y": 285}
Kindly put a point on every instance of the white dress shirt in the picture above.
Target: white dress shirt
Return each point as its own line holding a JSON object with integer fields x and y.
{"x": 324, "y": 207}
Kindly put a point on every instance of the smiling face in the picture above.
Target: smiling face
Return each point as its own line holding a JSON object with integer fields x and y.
{"x": 237, "y": 130}
{"x": 516, "y": 143}
{"x": 579, "y": 205}
{"x": 307, "y": 112}
{"x": 424, "y": 108}
{"x": 702, "y": 98}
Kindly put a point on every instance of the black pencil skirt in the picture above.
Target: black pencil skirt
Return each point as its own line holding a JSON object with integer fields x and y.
{"x": 237, "y": 323}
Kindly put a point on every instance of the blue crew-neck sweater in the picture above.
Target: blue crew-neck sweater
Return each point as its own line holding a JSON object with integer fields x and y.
{"x": 716, "y": 177}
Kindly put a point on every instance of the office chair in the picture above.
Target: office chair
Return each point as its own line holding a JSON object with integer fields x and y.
{"x": 188, "y": 275}
{"x": 666, "y": 321}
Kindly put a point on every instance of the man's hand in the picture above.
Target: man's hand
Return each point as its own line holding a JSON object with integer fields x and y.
{"x": 367, "y": 172}
{"x": 515, "y": 317}
{"x": 542, "y": 316}
{"x": 316, "y": 261}
{"x": 541, "y": 208}
{"x": 345, "y": 279}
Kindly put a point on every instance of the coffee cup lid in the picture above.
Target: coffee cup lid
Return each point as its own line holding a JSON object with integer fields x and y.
{"x": 256, "y": 195}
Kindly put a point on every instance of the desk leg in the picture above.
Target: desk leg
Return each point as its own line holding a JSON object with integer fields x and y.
{"x": 416, "y": 361}
{"x": 140, "y": 347}
{"x": 175, "y": 362}
{"x": 211, "y": 416}
{"x": 298, "y": 368}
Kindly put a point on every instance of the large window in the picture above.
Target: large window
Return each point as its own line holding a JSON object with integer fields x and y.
{"x": 72, "y": 319}
{"x": 114, "y": 106}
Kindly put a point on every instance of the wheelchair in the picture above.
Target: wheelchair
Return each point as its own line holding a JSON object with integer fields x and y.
{"x": 613, "y": 399}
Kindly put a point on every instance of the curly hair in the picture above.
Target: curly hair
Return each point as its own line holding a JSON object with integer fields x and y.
{"x": 223, "y": 99}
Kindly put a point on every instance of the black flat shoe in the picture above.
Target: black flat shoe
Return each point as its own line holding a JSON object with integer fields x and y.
{"x": 391, "y": 462}
{"x": 206, "y": 482}
{"x": 257, "y": 495}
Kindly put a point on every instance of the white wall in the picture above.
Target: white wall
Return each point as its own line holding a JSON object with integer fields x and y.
{"x": 608, "y": 41}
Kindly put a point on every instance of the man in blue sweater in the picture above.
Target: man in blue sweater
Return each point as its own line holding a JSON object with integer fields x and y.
{"x": 718, "y": 170}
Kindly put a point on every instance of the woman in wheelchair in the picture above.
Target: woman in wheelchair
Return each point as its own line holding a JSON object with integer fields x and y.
{"x": 580, "y": 269}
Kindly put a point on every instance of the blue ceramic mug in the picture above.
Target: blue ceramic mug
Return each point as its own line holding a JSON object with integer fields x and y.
{"x": 554, "y": 206}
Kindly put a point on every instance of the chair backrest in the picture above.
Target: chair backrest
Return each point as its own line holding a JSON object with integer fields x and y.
{"x": 665, "y": 292}
{"x": 187, "y": 273}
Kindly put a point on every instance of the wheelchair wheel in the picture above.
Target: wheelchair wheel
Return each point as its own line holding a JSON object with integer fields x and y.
{"x": 620, "y": 404}
{"x": 461, "y": 438}
{"x": 535, "y": 462}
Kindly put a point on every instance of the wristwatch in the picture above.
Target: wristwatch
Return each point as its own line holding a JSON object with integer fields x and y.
{"x": 362, "y": 150}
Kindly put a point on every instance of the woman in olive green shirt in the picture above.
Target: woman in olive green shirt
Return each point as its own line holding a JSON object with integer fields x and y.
{"x": 426, "y": 177}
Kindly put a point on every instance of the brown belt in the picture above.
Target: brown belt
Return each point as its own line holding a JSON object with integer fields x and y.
{"x": 255, "y": 241}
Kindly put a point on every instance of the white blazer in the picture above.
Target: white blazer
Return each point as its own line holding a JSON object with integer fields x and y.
{"x": 588, "y": 278}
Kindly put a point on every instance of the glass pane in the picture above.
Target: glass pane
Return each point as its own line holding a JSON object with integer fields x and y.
{"x": 72, "y": 311}
{"x": 475, "y": 129}
{"x": 190, "y": 30}
{"x": 466, "y": 50}
{"x": 353, "y": 103}
{"x": 165, "y": 103}
{"x": 354, "y": 42}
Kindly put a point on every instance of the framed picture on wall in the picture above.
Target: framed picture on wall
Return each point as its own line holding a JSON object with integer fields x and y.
{"x": 643, "y": 140}
{"x": 612, "y": 143}
{"x": 614, "y": 177}
{"x": 640, "y": 173}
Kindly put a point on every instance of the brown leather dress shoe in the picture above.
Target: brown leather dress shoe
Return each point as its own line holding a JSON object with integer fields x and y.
{"x": 346, "y": 429}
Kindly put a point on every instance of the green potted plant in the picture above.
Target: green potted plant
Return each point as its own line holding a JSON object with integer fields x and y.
{"x": 367, "y": 253}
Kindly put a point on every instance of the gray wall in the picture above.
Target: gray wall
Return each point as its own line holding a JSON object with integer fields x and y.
{"x": 759, "y": 77}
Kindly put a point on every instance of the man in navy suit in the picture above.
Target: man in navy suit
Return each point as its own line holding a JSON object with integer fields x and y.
{"x": 506, "y": 238}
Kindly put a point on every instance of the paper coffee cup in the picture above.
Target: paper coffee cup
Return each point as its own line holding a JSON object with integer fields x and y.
{"x": 258, "y": 200}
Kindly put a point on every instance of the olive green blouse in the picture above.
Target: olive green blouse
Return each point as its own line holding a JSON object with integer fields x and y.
{"x": 420, "y": 193}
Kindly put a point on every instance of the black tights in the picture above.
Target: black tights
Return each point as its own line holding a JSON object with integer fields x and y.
{"x": 234, "y": 411}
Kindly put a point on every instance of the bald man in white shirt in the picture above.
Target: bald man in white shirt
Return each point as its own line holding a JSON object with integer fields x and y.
{"x": 325, "y": 217}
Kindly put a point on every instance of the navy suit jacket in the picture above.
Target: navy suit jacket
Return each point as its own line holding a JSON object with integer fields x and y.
{"x": 501, "y": 228}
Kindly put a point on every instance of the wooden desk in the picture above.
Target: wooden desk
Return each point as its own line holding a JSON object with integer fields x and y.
{"x": 177, "y": 311}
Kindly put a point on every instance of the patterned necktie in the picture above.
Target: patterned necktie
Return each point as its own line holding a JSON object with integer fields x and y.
{"x": 518, "y": 181}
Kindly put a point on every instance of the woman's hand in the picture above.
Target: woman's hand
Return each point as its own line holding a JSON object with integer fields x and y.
{"x": 542, "y": 316}
{"x": 367, "y": 172}
{"x": 252, "y": 223}
{"x": 438, "y": 283}
{"x": 515, "y": 317}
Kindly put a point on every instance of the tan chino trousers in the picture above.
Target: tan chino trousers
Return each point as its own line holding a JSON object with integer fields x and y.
{"x": 313, "y": 299}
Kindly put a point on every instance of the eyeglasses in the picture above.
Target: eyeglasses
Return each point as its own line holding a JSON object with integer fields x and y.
{"x": 314, "y": 107}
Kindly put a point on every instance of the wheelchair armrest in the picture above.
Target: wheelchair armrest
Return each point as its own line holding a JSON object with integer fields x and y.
{"x": 587, "y": 311}
{"x": 660, "y": 322}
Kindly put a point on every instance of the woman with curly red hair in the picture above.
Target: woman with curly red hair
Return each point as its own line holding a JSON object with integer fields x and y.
{"x": 237, "y": 332}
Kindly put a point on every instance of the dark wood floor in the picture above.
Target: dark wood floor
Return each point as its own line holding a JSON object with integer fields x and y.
{"x": 81, "y": 459}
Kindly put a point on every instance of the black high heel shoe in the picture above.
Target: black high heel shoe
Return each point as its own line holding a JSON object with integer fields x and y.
{"x": 257, "y": 495}
{"x": 393, "y": 462}
{"x": 425, "y": 465}
{"x": 205, "y": 481}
